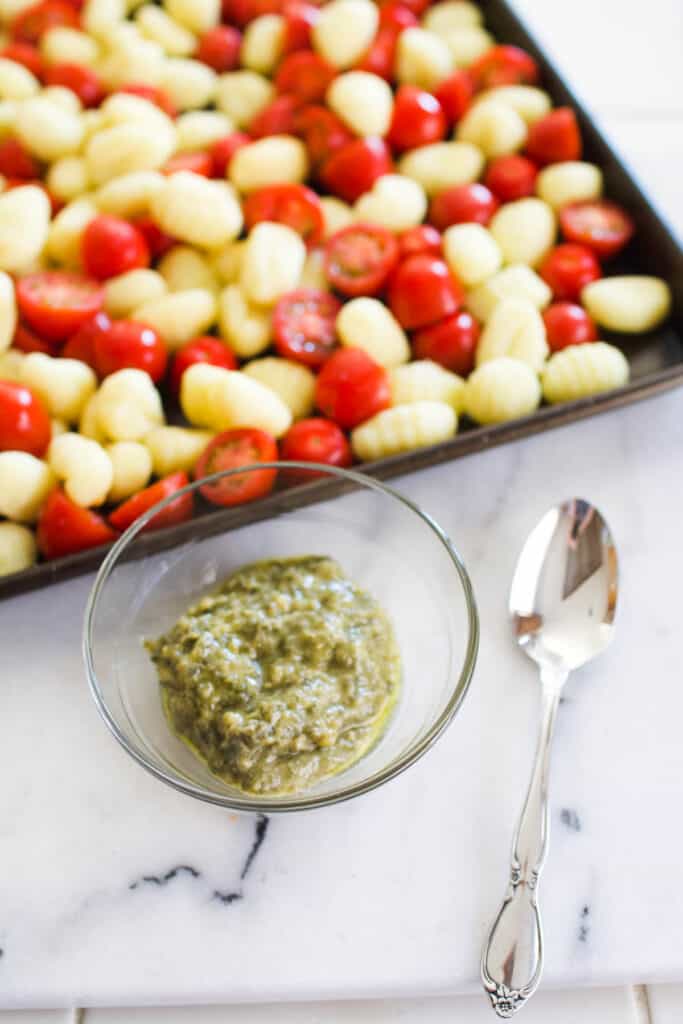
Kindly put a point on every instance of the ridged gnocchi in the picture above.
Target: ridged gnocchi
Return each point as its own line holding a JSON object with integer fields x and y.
{"x": 515, "y": 329}
{"x": 514, "y": 282}
{"x": 425, "y": 380}
{"x": 501, "y": 389}
{"x": 583, "y": 370}
{"x": 404, "y": 428}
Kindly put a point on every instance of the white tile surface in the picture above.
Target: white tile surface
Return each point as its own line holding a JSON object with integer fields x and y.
{"x": 39, "y": 1016}
{"x": 666, "y": 1004}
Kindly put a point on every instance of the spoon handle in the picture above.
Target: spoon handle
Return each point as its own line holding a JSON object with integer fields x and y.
{"x": 512, "y": 960}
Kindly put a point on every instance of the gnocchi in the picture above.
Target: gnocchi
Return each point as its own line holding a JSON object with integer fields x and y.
{"x": 631, "y": 304}
{"x": 272, "y": 262}
{"x": 25, "y": 483}
{"x": 221, "y": 399}
{"x": 525, "y": 230}
{"x": 404, "y": 428}
{"x": 583, "y": 370}
{"x": 18, "y": 548}
{"x": 515, "y": 329}
{"x": 183, "y": 267}
{"x": 472, "y": 253}
{"x": 344, "y": 31}
{"x": 501, "y": 389}
{"x": 24, "y": 227}
{"x": 275, "y": 160}
{"x": 395, "y": 201}
{"x": 131, "y": 464}
{"x": 84, "y": 467}
{"x": 172, "y": 449}
{"x": 495, "y": 127}
{"x": 440, "y": 165}
{"x": 363, "y": 101}
{"x": 424, "y": 380}
{"x": 368, "y": 324}
{"x": 569, "y": 182}
{"x": 294, "y": 383}
{"x": 422, "y": 58}
{"x": 128, "y": 292}
{"x": 514, "y": 282}
{"x": 64, "y": 385}
{"x": 128, "y": 406}
{"x": 8, "y": 311}
{"x": 179, "y": 316}
{"x": 195, "y": 210}
{"x": 241, "y": 95}
{"x": 246, "y": 328}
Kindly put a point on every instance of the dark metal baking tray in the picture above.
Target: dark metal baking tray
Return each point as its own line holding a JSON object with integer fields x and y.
{"x": 656, "y": 359}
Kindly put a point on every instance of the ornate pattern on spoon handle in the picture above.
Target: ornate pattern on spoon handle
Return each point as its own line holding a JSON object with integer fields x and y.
{"x": 512, "y": 959}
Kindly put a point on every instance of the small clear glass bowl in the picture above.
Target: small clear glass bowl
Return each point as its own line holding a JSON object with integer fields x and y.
{"x": 384, "y": 542}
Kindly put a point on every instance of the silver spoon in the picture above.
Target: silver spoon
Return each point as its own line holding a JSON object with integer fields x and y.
{"x": 562, "y": 604}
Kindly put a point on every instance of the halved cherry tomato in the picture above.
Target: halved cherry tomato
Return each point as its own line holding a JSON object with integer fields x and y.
{"x": 352, "y": 387}
{"x": 511, "y": 177}
{"x": 503, "y": 65}
{"x": 322, "y": 132}
{"x": 82, "y": 81}
{"x": 417, "y": 119}
{"x": 462, "y": 204}
{"x": 152, "y": 93}
{"x": 177, "y": 512}
{"x": 306, "y": 75}
{"x": 27, "y": 340}
{"x": 452, "y": 342}
{"x": 275, "y": 119}
{"x": 380, "y": 57}
{"x": 82, "y": 344}
{"x": 314, "y": 440}
{"x": 245, "y": 446}
{"x": 355, "y": 168}
{"x": 16, "y": 161}
{"x": 422, "y": 238}
{"x": 30, "y": 25}
{"x": 26, "y": 54}
{"x": 397, "y": 15}
{"x": 303, "y": 325}
{"x": 223, "y": 151}
{"x": 422, "y": 290}
{"x": 158, "y": 242}
{"x": 128, "y": 344}
{"x": 600, "y": 224}
{"x": 300, "y": 17}
{"x": 359, "y": 258}
{"x": 198, "y": 162}
{"x": 24, "y": 420}
{"x": 206, "y": 349}
{"x": 56, "y": 302}
{"x": 455, "y": 95}
{"x": 64, "y": 527}
{"x": 219, "y": 47}
{"x": 111, "y": 246}
{"x": 295, "y": 205}
{"x": 568, "y": 268}
{"x": 555, "y": 137}
{"x": 566, "y": 323}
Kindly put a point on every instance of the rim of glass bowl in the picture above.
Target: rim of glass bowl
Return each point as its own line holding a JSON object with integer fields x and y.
{"x": 302, "y": 802}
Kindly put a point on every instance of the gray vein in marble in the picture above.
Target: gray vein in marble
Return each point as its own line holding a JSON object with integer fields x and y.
{"x": 571, "y": 819}
{"x": 584, "y": 928}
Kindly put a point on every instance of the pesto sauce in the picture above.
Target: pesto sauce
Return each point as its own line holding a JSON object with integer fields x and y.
{"x": 283, "y": 677}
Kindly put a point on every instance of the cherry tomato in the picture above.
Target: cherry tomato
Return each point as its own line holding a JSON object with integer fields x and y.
{"x": 455, "y": 95}
{"x": 511, "y": 177}
{"x": 352, "y": 387}
{"x": 223, "y": 151}
{"x": 555, "y": 137}
{"x": 27, "y": 341}
{"x": 568, "y": 268}
{"x": 177, "y": 512}
{"x": 322, "y": 132}
{"x": 452, "y": 343}
{"x": 111, "y": 246}
{"x": 314, "y": 440}
{"x": 219, "y": 47}
{"x": 295, "y": 205}
{"x": 600, "y": 224}
{"x": 359, "y": 258}
{"x": 380, "y": 57}
{"x": 416, "y": 6}
{"x": 305, "y": 75}
{"x": 82, "y": 81}
{"x": 422, "y": 290}
{"x": 64, "y": 527}
{"x": 503, "y": 65}
{"x": 152, "y": 93}
{"x": 423, "y": 238}
{"x": 197, "y": 162}
{"x": 16, "y": 161}
{"x": 30, "y": 25}
{"x": 462, "y": 204}
{"x": 275, "y": 119}
{"x": 158, "y": 242}
{"x": 24, "y": 53}
{"x": 206, "y": 349}
{"x": 241, "y": 12}
{"x": 24, "y": 421}
{"x": 355, "y": 168}
{"x": 245, "y": 446}
{"x": 82, "y": 344}
{"x": 417, "y": 119}
{"x": 56, "y": 302}
{"x": 303, "y": 325}
{"x": 568, "y": 324}
{"x": 130, "y": 344}
{"x": 397, "y": 15}
{"x": 300, "y": 17}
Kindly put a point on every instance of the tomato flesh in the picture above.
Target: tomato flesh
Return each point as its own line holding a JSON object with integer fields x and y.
{"x": 322, "y": 132}
{"x": 315, "y": 440}
{"x": 567, "y": 323}
{"x": 56, "y": 302}
{"x": 601, "y": 225}
{"x": 352, "y": 387}
{"x": 452, "y": 343}
{"x": 65, "y": 528}
{"x": 245, "y": 446}
{"x": 176, "y": 512}
{"x": 200, "y": 350}
{"x": 422, "y": 291}
{"x": 359, "y": 259}
{"x": 294, "y": 205}
{"x": 24, "y": 420}
{"x": 303, "y": 325}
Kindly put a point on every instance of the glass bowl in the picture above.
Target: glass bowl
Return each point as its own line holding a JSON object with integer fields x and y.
{"x": 384, "y": 542}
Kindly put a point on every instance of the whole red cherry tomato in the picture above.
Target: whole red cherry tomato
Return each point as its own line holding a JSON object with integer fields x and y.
{"x": 125, "y": 514}
{"x": 503, "y": 65}
{"x": 568, "y": 269}
{"x": 462, "y": 204}
{"x": 245, "y": 446}
{"x": 416, "y": 6}
{"x": 417, "y": 119}
{"x": 568, "y": 324}
{"x": 455, "y": 95}
{"x": 355, "y": 168}
{"x": 64, "y": 527}
{"x": 24, "y": 420}
{"x": 555, "y": 137}
{"x": 16, "y": 161}
{"x": 129, "y": 344}
{"x": 81, "y": 345}
{"x": 359, "y": 258}
{"x": 223, "y": 150}
{"x": 300, "y": 17}
{"x": 314, "y": 440}
{"x": 27, "y": 340}
{"x": 422, "y": 290}
{"x": 56, "y": 302}
{"x": 26, "y": 54}
{"x": 422, "y": 238}
{"x": 452, "y": 343}
{"x": 219, "y": 47}
{"x": 380, "y": 57}
{"x": 303, "y": 326}
{"x": 197, "y": 162}
{"x": 158, "y": 242}
{"x": 322, "y": 132}
{"x": 278, "y": 118}
{"x": 603, "y": 226}
{"x": 305, "y": 75}
{"x": 82, "y": 81}
{"x": 206, "y": 349}
{"x": 111, "y": 246}
{"x": 33, "y": 22}
{"x": 511, "y": 177}
{"x": 152, "y": 93}
{"x": 352, "y": 387}
{"x": 294, "y": 205}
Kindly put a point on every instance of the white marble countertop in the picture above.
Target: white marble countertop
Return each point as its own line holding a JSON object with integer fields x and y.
{"x": 109, "y": 880}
